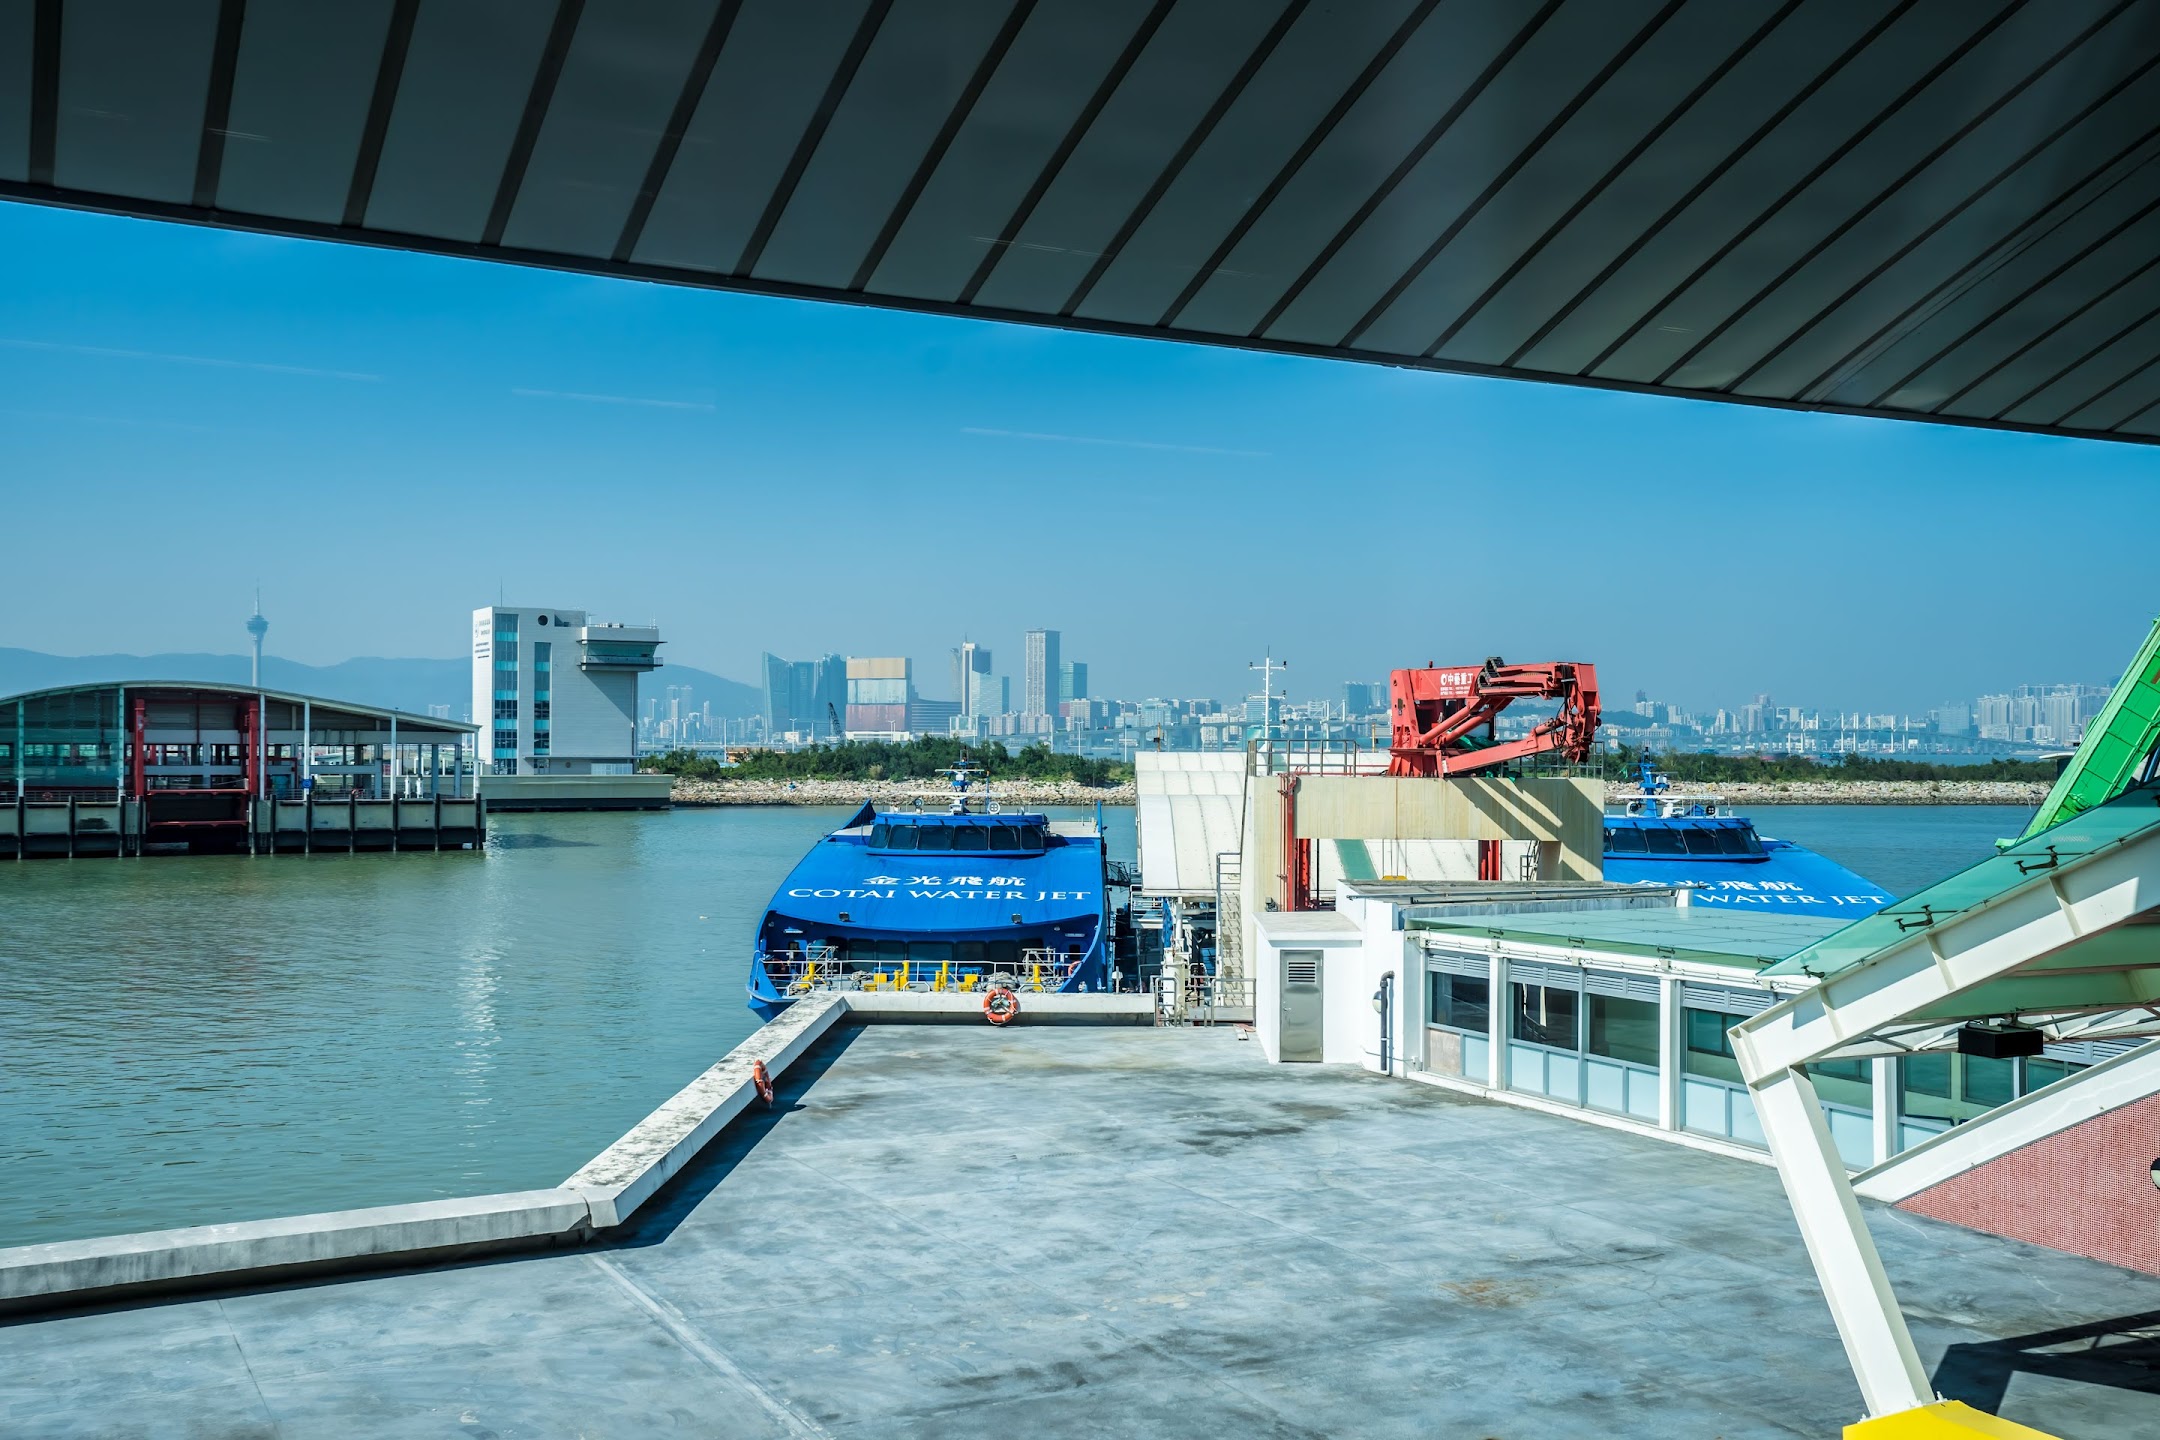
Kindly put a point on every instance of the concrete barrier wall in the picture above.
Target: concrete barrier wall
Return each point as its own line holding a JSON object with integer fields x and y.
{"x": 603, "y": 1194}
{"x": 34, "y": 1276}
{"x": 625, "y": 1175}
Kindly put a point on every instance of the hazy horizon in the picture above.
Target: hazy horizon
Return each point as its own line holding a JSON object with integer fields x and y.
{"x": 386, "y": 441}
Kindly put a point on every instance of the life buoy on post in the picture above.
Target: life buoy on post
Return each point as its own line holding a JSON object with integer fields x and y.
{"x": 1000, "y": 1005}
{"x": 762, "y": 1080}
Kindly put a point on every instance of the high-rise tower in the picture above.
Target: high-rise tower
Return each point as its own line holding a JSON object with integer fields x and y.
{"x": 258, "y": 627}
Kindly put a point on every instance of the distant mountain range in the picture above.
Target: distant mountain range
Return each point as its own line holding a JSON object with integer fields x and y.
{"x": 410, "y": 685}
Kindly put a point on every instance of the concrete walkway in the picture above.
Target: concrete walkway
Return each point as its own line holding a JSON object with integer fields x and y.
{"x": 961, "y": 1232}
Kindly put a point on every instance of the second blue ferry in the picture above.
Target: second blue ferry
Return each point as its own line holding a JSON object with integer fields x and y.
{"x": 1663, "y": 837}
{"x": 965, "y": 899}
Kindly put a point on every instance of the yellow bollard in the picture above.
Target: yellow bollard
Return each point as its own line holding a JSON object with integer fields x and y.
{"x": 944, "y": 970}
{"x": 967, "y": 982}
{"x": 1035, "y": 977}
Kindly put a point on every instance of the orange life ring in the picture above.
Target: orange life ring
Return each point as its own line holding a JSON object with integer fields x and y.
{"x": 762, "y": 1080}
{"x": 1000, "y": 1005}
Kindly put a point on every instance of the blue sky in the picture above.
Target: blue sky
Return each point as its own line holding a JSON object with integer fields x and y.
{"x": 385, "y": 439}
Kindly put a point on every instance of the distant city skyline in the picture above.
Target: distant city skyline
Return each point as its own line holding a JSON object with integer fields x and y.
{"x": 755, "y": 472}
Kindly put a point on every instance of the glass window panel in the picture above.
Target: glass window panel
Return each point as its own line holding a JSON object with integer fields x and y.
{"x": 1988, "y": 1082}
{"x": 1544, "y": 1015}
{"x": 934, "y": 837}
{"x": 1605, "y": 1085}
{"x": 1031, "y": 837}
{"x": 1462, "y": 1002}
{"x": 1702, "y": 1106}
{"x": 1626, "y": 840}
{"x": 1927, "y": 1075}
{"x": 878, "y": 834}
{"x": 968, "y": 952}
{"x": 1665, "y": 841}
{"x": 2041, "y": 1071}
{"x": 1745, "y": 1127}
{"x": 930, "y": 952}
{"x": 1642, "y": 1095}
{"x": 970, "y": 837}
{"x": 1700, "y": 842}
{"x": 1708, "y": 1051}
{"x": 901, "y": 838}
{"x": 1004, "y": 837}
{"x": 1844, "y": 1082}
{"x": 1624, "y": 1029}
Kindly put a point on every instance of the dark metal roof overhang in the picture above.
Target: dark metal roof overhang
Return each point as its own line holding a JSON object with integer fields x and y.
{"x": 1929, "y": 209}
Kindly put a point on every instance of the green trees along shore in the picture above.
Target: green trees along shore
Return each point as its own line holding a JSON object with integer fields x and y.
{"x": 920, "y": 759}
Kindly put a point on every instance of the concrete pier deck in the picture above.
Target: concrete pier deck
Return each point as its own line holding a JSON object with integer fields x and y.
{"x": 957, "y": 1231}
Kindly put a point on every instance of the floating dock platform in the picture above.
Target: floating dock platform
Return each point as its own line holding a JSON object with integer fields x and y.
{"x": 77, "y": 828}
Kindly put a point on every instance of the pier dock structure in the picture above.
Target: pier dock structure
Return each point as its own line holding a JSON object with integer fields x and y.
{"x": 135, "y": 767}
{"x": 1454, "y": 1266}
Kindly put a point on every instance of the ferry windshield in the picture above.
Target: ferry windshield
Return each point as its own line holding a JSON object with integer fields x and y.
{"x": 973, "y": 836}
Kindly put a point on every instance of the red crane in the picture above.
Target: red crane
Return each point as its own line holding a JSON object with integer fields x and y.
{"x": 1443, "y": 716}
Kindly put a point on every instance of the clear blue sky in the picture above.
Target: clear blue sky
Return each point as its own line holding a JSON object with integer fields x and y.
{"x": 385, "y": 438}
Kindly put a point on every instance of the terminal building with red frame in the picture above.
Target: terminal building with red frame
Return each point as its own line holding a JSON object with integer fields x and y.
{"x": 125, "y": 767}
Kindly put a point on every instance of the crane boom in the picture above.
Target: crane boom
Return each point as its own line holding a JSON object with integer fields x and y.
{"x": 1438, "y": 713}
{"x": 2117, "y": 750}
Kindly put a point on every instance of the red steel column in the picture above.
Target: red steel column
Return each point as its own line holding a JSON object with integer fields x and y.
{"x": 136, "y": 783}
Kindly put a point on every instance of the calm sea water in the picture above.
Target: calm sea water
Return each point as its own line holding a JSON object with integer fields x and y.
{"x": 185, "y": 1040}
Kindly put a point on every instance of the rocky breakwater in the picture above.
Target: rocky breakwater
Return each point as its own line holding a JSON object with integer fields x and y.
{"x": 893, "y": 794}
{"x": 2028, "y": 793}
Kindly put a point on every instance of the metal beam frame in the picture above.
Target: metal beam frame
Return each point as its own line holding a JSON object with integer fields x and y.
{"x": 1848, "y": 1012}
{"x": 1877, "y": 1341}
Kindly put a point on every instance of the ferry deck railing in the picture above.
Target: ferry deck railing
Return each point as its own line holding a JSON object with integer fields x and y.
{"x": 806, "y": 969}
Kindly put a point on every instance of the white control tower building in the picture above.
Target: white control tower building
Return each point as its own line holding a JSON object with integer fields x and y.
{"x": 555, "y": 697}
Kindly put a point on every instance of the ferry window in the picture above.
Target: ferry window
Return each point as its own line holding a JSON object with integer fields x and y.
{"x": 1463, "y": 1002}
{"x": 1700, "y": 842}
{"x": 968, "y": 952}
{"x": 902, "y": 837}
{"x": 1626, "y": 841}
{"x": 1730, "y": 840}
{"x": 1004, "y": 837}
{"x": 930, "y": 952}
{"x": 934, "y": 837}
{"x": 970, "y": 837}
{"x": 878, "y": 836}
{"x": 1665, "y": 841}
{"x": 1002, "y": 953}
{"x": 1031, "y": 837}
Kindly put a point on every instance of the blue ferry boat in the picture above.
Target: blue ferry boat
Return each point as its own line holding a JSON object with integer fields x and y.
{"x": 1667, "y": 838}
{"x": 965, "y": 899}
